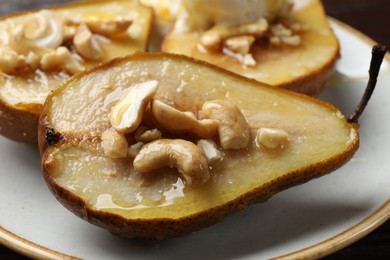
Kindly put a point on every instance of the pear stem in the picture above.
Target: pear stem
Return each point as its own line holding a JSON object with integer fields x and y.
{"x": 378, "y": 54}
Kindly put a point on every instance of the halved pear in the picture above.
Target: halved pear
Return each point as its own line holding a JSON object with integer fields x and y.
{"x": 305, "y": 68}
{"x": 22, "y": 93}
{"x": 111, "y": 194}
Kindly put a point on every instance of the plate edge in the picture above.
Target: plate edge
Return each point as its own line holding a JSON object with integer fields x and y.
{"x": 361, "y": 228}
{"x": 327, "y": 247}
{"x": 28, "y": 248}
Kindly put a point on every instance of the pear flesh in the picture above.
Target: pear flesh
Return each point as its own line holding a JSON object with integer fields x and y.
{"x": 111, "y": 194}
{"x": 23, "y": 93}
{"x": 305, "y": 68}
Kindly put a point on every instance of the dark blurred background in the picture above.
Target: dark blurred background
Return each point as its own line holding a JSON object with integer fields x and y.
{"x": 372, "y": 17}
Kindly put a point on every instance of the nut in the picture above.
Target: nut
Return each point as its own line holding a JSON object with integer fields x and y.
{"x": 146, "y": 135}
{"x": 32, "y": 60}
{"x": 210, "y": 150}
{"x": 248, "y": 60}
{"x": 280, "y": 30}
{"x": 213, "y": 38}
{"x": 61, "y": 58}
{"x": 274, "y": 40}
{"x": 69, "y": 33}
{"x": 86, "y": 43}
{"x": 183, "y": 155}
{"x": 240, "y": 44}
{"x": 233, "y": 129}
{"x": 104, "y": 26}
{"x": 271, "y": 138}
{"x": 296, "y": 26}
{"x": 280, "y": 34}
{"x": 134, "y": 149}
{"x": 176, "y": 121}
{"x": 245, "y": 58}
{"x": 9, "y": 61}
{"x": 108, "y": 27}
{"x": 294, "y": 40}
{"x": 20, "y": 53}
{"x": 114, "y": 144}
{"x": 127, "y": 114}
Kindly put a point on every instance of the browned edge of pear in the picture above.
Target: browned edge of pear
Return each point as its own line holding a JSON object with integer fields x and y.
{"x": 19, "y": 123}
{"x": 312, "y": 84}
{"x": 160, "y": 228}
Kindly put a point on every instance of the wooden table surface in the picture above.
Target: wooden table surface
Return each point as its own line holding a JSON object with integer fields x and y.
{"x": 372, "y": 17}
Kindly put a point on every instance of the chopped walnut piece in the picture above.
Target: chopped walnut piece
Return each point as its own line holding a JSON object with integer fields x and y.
{"x": 292, "y": 40}
{"x": 87, "y": 45}
{"x": 134, "y": 149}
{"x": 32, "y": 60}
{"x": 236, "y": 40}
{"x": 233, "y": 128}
{"x": 114, "y": 144}
{"x": 281, "y": 34}
{"x": 240, "y": 44}
{"x": 271, "y": 138}
{"x": 248, "y": 60}
{"x": 274, "y": 40}
{"x": 210, "y": 150}
{"x": 9, "y": 62}
{"x": 213, "y": 38}
{"x": 280, "y": 30}
{"x": 109, "y": 27}
{"x": 61, "y": 58}
{"x": 145, "y": 135}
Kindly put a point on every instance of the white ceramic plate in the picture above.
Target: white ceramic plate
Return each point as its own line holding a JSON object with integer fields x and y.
{"x": 310, "y": 220}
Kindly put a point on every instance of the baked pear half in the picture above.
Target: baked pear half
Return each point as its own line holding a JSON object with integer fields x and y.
{"x": 288, "y": 44}
{"x": 156, "y": 145}
{"x": 41, "y": 49}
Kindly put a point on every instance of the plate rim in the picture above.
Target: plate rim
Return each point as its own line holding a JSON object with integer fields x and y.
{"x": 361, "y": 228}
{"x": 29, "y": 248}
{"x": 343, "y": 239}
{"x": 321, "y": 249}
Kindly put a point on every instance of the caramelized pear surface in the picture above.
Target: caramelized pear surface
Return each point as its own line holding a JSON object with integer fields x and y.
{"x": 111, "y": 194}
{"x": 305, "y": 68}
